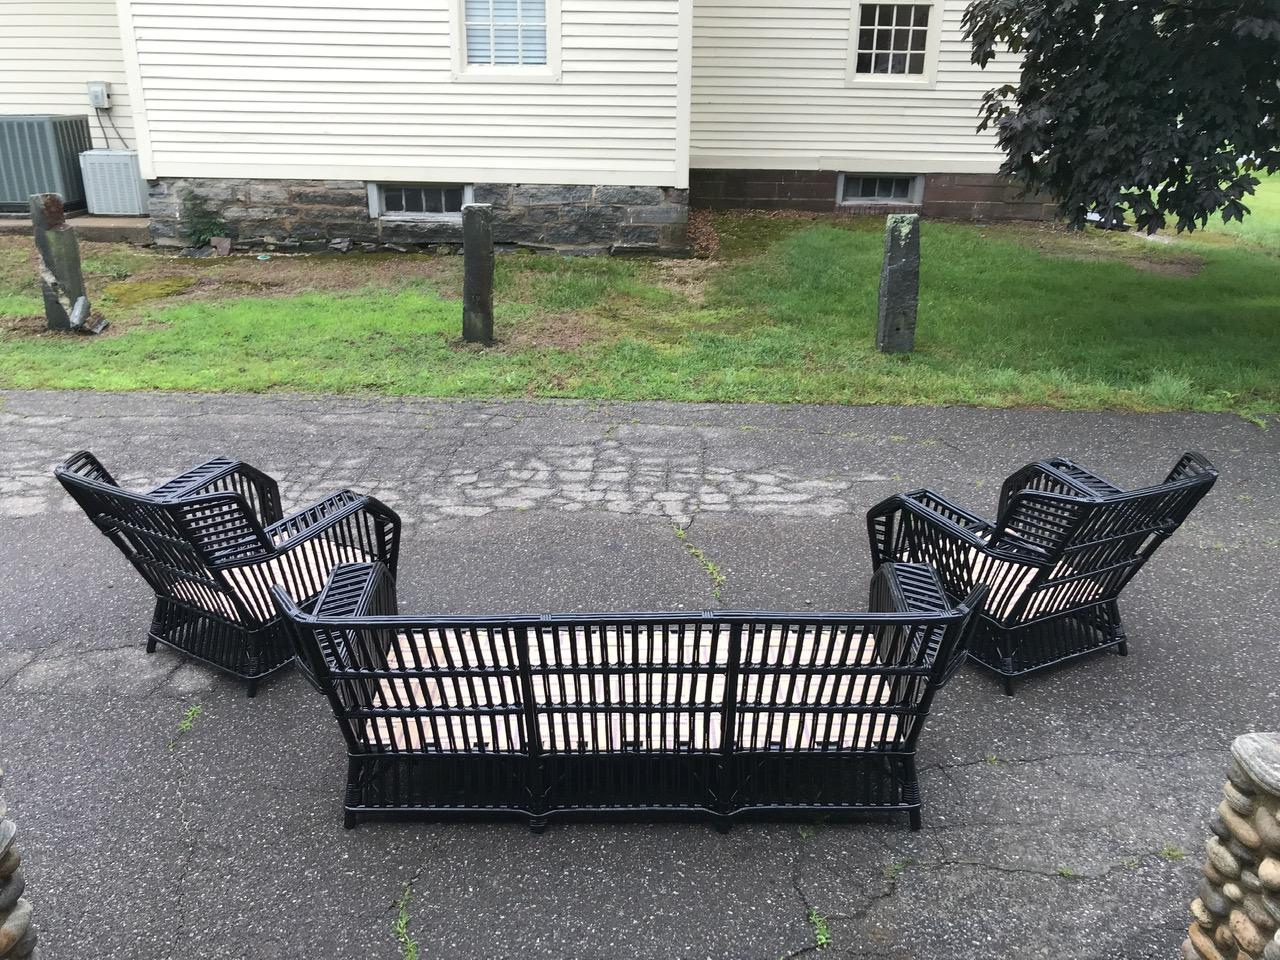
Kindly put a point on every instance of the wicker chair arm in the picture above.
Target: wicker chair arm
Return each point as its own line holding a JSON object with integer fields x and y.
{"x": 934, "y": 510}
{"x": 358, "y": 590}
{"x": 949, "y": 660}
{"x": 221, "y": 475}
{"x": 85, "y": 466}
{"x": 310, "y": 522}
{"x": 1193, "y": 464}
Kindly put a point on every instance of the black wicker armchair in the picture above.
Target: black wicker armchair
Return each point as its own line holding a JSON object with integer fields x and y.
{"x": 212, "y": 541}
{"x": 1065, "y": 544}
{"x": 630, "y": 714}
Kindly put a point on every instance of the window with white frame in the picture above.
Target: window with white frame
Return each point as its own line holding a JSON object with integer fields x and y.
{"x": 505, "y": 32}
{"x": 426, "y": 201}
{"x": 892, "y": 40}
{"x": 860, "y": 188}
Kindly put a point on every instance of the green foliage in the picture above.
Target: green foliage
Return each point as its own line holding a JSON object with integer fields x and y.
{"x": 129, "y": 293}
{"x": 1145, "y": 109}
{"x": 1173, "y": 852}
{"x": 199, "y": 223}
{"x": 186, "y": 724}
{"x": 408, "y": 943}
{"x": 1009, "y": 316}
{"x": 708, "y": 565}
{"x": 821, "y": 932}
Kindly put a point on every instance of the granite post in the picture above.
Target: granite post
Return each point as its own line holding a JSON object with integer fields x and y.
{"x": 477, "y": 273}
{"x": 899, "y": 284}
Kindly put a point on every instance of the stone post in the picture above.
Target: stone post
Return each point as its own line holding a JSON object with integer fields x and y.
{"x": 1238, "y": 910}
{"x": 477, "y": 273}
{"x": 899, "y": 284}
{"x": 17, "y": 935}
{"x": 65, "y": 305}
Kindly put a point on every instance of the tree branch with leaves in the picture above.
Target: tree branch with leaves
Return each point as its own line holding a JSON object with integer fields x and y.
{"x": 1150, "y": 110}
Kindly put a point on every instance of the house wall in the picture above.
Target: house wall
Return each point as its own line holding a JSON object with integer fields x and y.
{"x": 50, "y": 48}
{"x": 775, "y": 116}
{"x": 366, "y": 90}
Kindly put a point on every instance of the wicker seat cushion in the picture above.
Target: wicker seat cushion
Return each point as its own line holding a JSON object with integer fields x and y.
{"x": 604, "y": 707}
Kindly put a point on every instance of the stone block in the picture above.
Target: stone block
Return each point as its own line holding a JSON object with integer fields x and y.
{"x": 628, "y": 196}
{"x": 540, "y": 194}
{"x": 265, "y": 191}
{"x": 496, "y": 194}
{"x": 657, "y": 214}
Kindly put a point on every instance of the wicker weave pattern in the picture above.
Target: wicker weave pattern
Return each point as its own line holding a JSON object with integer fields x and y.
{"x": 723, "y": 713}
{"x": 212, "y": 541}
{"x": 1064, "y": 546}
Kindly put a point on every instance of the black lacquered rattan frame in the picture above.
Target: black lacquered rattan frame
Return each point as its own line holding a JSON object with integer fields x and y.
{"x": 1065, "y": 544}
{"x": 638, "y": 715}
{"x": 212, "y": 541}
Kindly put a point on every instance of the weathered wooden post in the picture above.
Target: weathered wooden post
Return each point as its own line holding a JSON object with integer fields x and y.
{"x": 477, "y": 275}
{"x": 61, "y": 281}
{"x": 899, "y": 284}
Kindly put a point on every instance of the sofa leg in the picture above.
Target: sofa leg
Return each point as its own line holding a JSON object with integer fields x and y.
{"x": 1008, "y": 685}
{"x": 253, "y": 688}
{"x": 537, "y": 824}
{"x": 349, "y": 819}
{"x": 916, "y": 820}
{"x": 151, "y": 643}
{"x": 1122, "y": 648}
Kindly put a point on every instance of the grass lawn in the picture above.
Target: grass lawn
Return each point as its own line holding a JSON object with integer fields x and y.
{"x": 785, "y": 311}
{"x": 1262, "y": 226}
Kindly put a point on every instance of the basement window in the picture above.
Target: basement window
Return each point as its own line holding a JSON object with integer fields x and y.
{"x": 864, "y": 188}
{"x": 418, "y": 201}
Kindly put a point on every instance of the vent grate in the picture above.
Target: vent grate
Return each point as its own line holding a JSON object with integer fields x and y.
{"x": 38, "y": 155}
{"x": 113, "y": 182}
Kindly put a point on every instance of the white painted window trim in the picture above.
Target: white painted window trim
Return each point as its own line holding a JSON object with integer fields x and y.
{"x": 378, "y": 212}
{"x": 880, "y": 81}
{"x": 483, "y": 73}
{"x": 914, "y": 198}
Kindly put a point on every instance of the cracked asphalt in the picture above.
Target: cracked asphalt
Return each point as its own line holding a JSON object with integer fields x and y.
{"x": 1056, "y": 822}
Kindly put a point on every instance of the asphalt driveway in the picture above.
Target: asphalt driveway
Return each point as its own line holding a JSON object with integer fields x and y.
{"x": 1056, "y": 822}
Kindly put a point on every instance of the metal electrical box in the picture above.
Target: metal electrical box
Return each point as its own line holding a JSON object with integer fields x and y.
{"x": 99, "y": 94}
{"x": 113, "y": 182}
{"x": 40, "y": 154}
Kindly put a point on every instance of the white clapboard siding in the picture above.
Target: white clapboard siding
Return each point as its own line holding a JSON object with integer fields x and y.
{"x": 365, "y": 89}
{"x": 770, "y": 91}
{"x": 50, "y": 48}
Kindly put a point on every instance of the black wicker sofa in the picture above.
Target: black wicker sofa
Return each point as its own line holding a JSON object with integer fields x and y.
{"x": 639, "y": 715}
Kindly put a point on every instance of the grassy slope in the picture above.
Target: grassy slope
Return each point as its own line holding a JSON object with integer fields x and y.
{"x": 1002, "y": 323}
{"x": 1262, "y": 226}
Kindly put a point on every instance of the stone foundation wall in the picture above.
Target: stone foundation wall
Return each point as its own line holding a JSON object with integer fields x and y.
{"x": 1237, "y": 912}
{"x": 318, "y": 215}
{"x": 955, "y": 196}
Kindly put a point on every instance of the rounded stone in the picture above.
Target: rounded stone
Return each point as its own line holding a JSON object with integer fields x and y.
{"x": 1249, "y": 880}
{"x": 14, "y": 926}
{"x": 1204, "y": 943}
{"x": 1269, "y": 873}
{"x": 1240, "y": 851}
{"x": 1233, "y": 892}
{"x": 1259, "y": 757}
{"x": 1268, "y": 827}
{"x": 1212, "y": 898}
{"x": 1240, "y": 779}
{"x": 26, "y": 946}
{"x": 1213, "y": 876}
{"x": 1222, "y": 860}
{"x": 1188, "y": 950}
{"x": 8, "y": 830}
{"x": 1255, "y": 911}
{"x": 1202, "y": 914}
{"x": 11, "y": 890}
{"x": 10, "y": 862}
{"x": 1272, "y": 906}
{"x": 1239, "y": 802}
{"x": 1240, "y": 829}
{"x": 1248, "y": 937}
{"x": 1218, "y": 825}
{"x": 1223, "y": 937}
{"x": 1272, "y": 951}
